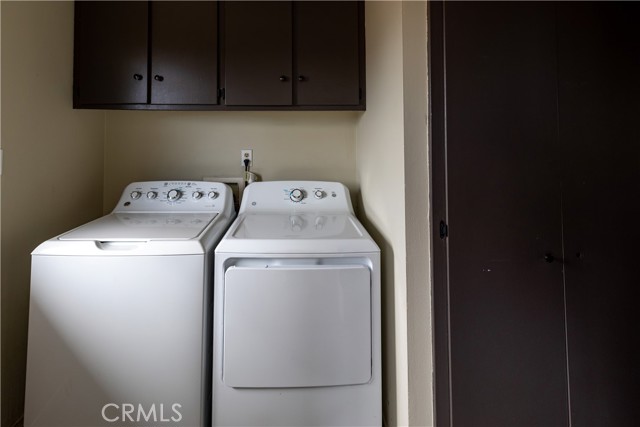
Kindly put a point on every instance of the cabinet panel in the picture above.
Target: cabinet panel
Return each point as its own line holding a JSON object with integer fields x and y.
{"x": 184, "y": 52}
{"x": 327, "y": 52}
{"x": 258, "y": 37}
{"x": 110, "y": 53}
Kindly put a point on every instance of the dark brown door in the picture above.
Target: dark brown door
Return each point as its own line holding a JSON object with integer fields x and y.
{"x": 504, "y": 304}
{"x": 494, "y": 113}
{"x": 184, "y": 52}
{"x": 110, "y": 53}
{"x": 257, "y": 53}
{"x": 599, "y": 69}
{"x": 327, "y": 48}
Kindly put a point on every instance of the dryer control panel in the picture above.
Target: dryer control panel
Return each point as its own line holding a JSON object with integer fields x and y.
{"x": 310, "y": 196}
{"x": 174, "y": 196}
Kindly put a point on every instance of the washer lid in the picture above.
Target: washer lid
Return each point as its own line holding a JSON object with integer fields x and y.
{"x": 297, "y": 226}
{"x": 143, "y": 227}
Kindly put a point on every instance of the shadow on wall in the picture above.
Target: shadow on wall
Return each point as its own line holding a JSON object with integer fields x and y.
{"x": 387, "y": 298}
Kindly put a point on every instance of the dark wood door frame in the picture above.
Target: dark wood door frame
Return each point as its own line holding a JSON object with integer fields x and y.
{"x": 440, "y": 270}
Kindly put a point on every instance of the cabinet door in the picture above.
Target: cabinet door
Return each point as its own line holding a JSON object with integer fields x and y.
{"x": 257, "y": 53}
{"x": 327, "y": 52}
{"x": 110, "y": 53}
{"x": 184, "y": 50}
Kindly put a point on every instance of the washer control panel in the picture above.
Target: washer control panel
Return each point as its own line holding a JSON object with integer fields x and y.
{"x": 296, "y": 195}
{"x": 174, "y": 196}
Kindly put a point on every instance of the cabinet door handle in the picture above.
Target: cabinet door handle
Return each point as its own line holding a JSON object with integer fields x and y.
{"x": 283, "y": 78}
{"x": 301, "y": 78}
{"x": 158, "y": 78}
{"x": 137, "y": 77}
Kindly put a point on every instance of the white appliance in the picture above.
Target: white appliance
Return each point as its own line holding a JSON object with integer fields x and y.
{"x": 297, "y": 311}
{"x": 120, "y": 312}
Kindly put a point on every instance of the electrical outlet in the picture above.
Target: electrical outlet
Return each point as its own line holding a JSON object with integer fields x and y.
{"x": 244, "y": 155}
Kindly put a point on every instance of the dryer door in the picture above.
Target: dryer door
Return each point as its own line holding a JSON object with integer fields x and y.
{"x": 297, "y": 326}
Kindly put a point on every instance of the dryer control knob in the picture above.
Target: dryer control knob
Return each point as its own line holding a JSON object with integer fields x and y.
{"x": 135, "y": 195}
{"x": 296, "y": 195}
{"x": 319, "y": 194}
{"x": 152, "y": 195}
{"x": 174, "y": 195}
{"x": 212, "y": 195}
{"x": 297, "y": 223}
{"x": 196, "y": 195}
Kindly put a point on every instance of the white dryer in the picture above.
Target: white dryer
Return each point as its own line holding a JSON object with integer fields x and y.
{"x": 297, "y": 311}
{"x": 120, "y": 312}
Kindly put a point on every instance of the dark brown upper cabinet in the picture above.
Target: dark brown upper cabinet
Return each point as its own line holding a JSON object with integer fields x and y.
{"x": 136, "y": 54}
{"x": 184, "y": 52}
{"x": 257, "y": 53}
{"x": 327, "y": 47}
{"x": 159, "y": 55}
{"x": 110, "y": 53}
{"x": 300, "y": 54}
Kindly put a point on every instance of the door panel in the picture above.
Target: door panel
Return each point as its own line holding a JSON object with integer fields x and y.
{"x": 599, "y": 51}
{"x": 257, "y": 53}
{"x": 327, "y": 50}
{"x": 184, "y": 52}
{"x": 508, "y": 361}
{"x": 111, "y": 52}
{"x": 297, "y": 326}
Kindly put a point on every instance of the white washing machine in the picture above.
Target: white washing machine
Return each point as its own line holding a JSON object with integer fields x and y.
{"x": 120, "y": 312}
{"x": 297, "y": 311}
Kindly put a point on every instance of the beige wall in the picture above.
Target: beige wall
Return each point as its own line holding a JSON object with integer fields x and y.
{"x": 143, "y": 145}
{"x": 392, "y": 170}
{"x": 53, "y": 164}
{"x": 380, "y": 170}
{"x": 417, "y": 215}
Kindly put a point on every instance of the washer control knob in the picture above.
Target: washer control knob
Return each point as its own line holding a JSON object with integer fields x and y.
{"x": 212, "y": 195}
{"x": 196, "y": 195}
{"x": 174, "y": 195}
{"x": 319, "y": 194}
{"x": 135, "y": 195}
{"x": 152, "y": 195}
{"x": 320, "y": 221}
{"x": 296, "y": 195}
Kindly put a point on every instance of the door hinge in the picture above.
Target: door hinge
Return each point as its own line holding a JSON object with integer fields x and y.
{"x": 221, "y": 93}
{"x": 444, "y": 230}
